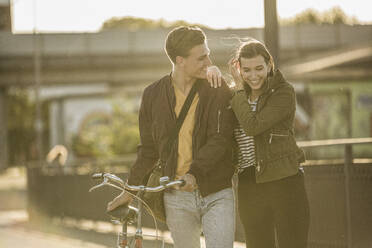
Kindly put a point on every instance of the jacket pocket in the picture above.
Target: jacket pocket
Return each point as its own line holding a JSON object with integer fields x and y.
{"x": 279, "y": 168}
{"x": 277, "y": 135}
{"x": 279, "y": 143}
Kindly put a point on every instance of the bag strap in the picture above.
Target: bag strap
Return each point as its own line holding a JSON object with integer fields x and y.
{"x": 183, "y": 112}
{"x": 181, "y": 117}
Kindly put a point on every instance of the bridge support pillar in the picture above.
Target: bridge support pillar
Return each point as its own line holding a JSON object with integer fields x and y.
{"x": 57, "y": 135}
{"x": 3, "y": 129}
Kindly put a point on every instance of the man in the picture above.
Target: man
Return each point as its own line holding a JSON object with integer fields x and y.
{"x": 202, "y": 156}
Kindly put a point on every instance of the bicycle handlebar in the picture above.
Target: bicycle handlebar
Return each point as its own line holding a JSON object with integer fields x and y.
{"x": 97, "y": 175}
{"x": 107, "y": 177}
{"x": 154, "y": 189}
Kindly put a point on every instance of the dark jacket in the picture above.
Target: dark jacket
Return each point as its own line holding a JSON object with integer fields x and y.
{"x": 212, "y": 135}
{"x": 277, "y": 153}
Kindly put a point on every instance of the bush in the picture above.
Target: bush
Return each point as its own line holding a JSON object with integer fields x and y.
{"x": 108, "y": 135}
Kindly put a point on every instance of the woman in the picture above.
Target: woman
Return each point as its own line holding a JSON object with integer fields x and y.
{"x": 272, "y": 201}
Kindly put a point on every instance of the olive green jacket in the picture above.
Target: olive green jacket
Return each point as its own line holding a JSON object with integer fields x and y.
{"x": 271, "y": 125}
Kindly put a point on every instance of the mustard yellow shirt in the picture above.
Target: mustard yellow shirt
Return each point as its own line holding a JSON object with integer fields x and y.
{"x": 185, "y": 134}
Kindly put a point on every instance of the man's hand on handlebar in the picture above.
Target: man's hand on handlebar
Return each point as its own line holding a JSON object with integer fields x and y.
{"x": 123, "y": 198}
{"x": 190, "y": 183}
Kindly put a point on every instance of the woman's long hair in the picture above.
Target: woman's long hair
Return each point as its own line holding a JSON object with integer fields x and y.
{"x": 250, "y": 48}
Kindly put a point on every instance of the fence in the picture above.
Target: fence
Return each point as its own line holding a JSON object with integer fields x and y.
{"x": 340, "y": 197}
{"x": 339, "y": 191}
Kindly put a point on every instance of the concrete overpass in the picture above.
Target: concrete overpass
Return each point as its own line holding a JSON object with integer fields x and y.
{"x": 127, "y": 58}
{"x": 349, "y": 62}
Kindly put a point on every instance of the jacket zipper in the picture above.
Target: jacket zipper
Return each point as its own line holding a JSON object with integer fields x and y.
{"x": 218, "y": 121}
{"x": 196, "y": 128}
{"x": 279, "y": 135}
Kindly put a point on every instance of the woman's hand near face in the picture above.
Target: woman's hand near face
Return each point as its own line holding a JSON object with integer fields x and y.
{"x": 214, "y": 76}
{"x": 235, "y": 73}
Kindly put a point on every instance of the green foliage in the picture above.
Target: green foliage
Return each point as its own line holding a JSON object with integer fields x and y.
{"x": 337, "y": 16}
{"x": 108, "y": 135}
{"x": 125, "y": 131}
{"x": 136, "y": 23}
{"x": 21, "y": 109}
{"x": 21, "y": 126}
{"x": 334, "y": 15}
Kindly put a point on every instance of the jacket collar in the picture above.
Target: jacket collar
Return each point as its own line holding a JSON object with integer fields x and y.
{"x": 170, "y": 88}
{"x": 276, "y": 80}
{"x": 201, "y": 90}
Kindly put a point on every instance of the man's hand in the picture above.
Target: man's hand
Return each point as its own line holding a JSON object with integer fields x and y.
{"x": 214, "y": 76}
{"x": 123, "y": 198}
{"x": 190, "y": 183}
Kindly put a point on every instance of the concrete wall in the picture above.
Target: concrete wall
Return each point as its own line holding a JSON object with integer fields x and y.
{"x": 147, "y": 42}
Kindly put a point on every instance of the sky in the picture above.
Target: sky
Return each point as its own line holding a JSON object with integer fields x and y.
{"x": 88, "y": 15}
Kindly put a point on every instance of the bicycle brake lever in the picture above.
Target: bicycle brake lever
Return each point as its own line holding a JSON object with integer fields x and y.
{"x": 114, "y": 186}
{"x": 96, "y": 187}
{"x": 105, "y": 181}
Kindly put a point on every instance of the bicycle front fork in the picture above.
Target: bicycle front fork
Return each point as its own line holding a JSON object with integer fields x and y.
{"x": 123, "y": 242}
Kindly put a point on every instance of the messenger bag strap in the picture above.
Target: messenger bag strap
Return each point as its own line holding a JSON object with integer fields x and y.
{"x": 183, "y": 113}
{"x": 181, "y": 117}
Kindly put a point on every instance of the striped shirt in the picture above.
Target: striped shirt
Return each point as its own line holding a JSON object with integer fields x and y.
{"x": 246, "y": 149}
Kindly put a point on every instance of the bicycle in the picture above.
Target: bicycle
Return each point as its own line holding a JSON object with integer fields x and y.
{"x": 127, "y": 214}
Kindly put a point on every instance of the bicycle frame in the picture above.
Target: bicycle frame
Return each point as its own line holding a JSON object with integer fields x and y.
{"x": 116, "y": 182}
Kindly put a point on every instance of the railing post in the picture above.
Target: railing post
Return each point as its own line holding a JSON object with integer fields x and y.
{"x": 347, "y": 168}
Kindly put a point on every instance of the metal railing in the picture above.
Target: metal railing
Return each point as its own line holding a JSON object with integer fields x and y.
{"x": 348, "y": 162}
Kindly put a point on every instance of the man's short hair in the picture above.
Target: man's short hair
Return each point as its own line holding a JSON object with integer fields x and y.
{"x": 181, "y": 40}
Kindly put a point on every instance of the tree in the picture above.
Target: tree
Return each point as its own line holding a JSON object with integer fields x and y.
{"x": 337, "y": 16}
{"x": 136, "y": 23}
{"x": 21, "y": 126}
{"x": 334, "y": 15}
{"x": 108, "y": 135}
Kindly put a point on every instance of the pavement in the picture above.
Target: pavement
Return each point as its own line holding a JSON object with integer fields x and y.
{"x": 16, "y": 231}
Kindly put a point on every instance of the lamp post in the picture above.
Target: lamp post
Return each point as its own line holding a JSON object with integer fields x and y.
{"x": 271, "y": 34}
{"x": 37, "y": 83}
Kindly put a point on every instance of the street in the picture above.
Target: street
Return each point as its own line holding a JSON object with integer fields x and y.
{"x": 14, "y": 232}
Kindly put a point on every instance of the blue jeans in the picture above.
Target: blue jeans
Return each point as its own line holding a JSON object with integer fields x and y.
{"x": 188, "y": 213}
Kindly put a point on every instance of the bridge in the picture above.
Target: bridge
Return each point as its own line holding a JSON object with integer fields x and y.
{"x": 124, "y": 58}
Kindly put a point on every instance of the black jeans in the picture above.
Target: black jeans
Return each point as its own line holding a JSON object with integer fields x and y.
{"x": 279, "y": 207}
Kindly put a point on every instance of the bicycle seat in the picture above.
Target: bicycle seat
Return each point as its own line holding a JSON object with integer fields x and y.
{"x": 123, "y": 213}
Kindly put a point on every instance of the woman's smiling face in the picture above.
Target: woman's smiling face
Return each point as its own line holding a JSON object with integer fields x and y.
{"x": 254, "y": 71}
